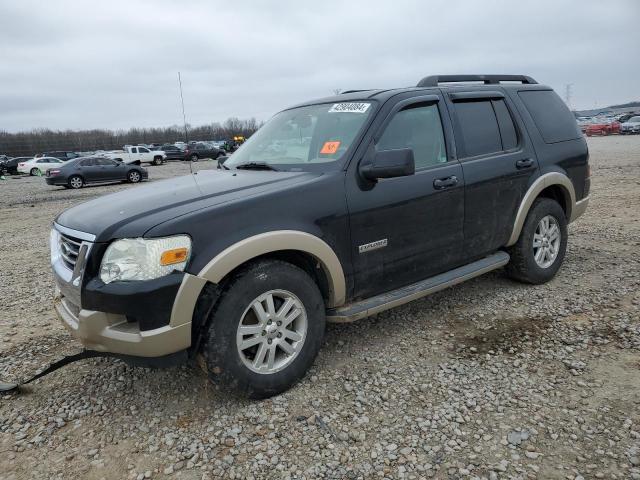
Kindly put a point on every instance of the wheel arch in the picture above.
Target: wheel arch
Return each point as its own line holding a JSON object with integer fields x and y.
{"x": 554, "y": 185}
{"x": 302, "y": 249}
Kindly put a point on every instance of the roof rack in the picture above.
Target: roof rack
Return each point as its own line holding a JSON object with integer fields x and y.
{"x": 434, "y": 80}
{"x": 355, "y": 91}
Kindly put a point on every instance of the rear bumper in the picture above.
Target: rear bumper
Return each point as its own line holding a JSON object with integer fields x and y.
{"x": 579, "y": 208}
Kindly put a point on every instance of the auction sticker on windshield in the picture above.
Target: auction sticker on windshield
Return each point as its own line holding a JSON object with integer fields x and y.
{"x": 353, "y": 107}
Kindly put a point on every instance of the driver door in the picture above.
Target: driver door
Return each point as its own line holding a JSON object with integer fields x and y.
{"x": 407, "y": 229}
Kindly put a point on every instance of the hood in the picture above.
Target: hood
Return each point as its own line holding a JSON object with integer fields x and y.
{"x": 132, "y": 212}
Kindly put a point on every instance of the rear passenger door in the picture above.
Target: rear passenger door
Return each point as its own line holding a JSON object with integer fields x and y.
{"x": 498, "y": 163}
{"x": 90, "y": 170}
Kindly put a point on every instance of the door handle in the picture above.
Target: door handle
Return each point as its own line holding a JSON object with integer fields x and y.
{"x": 525, "y": 163}
{"x": 442, "y": 183}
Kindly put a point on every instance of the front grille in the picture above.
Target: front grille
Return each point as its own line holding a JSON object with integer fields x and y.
{"x": 69, "y": 249}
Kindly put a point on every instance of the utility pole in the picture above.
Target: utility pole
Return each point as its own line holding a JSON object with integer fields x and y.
{"x": 184, "y": 118}
{"x": 567, "y": 94}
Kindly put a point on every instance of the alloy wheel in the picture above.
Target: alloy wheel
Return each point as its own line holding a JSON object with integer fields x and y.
{"x": 546, "y": 241}
{"x": 272, "y": 331}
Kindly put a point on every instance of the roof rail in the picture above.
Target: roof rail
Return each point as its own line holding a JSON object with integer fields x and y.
{"x": 434, "y": 80}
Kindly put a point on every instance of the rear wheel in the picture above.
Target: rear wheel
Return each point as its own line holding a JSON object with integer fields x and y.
{"x": 539, "y": 252}
{"x": 76, "y": 181}
{"x": 266, "y": 330}
{"x": 605, "y": 132}
{"x": 134, "y": 176}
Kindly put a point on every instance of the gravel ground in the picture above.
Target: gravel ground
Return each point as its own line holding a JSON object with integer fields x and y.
{"x": 489, "y": 379}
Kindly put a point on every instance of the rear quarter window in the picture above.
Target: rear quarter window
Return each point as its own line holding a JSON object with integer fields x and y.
{"x": 553, "y": 119}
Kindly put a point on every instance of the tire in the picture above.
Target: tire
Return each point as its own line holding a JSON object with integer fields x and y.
{"x": 604, "y": 132}
{"x": 233, "y": 367}
{"x": 34, "y": 172}
{"x": 75, "y": 182}
{"x": 523, "y": 265}
{"x": 157, "y": 161}
{"x": 588, "y": 134}
{"x": 194, "y": 158}
{"x": 134, "y": 176}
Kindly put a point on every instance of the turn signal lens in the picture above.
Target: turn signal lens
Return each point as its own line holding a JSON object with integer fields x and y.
{"x": 171, "y": 257}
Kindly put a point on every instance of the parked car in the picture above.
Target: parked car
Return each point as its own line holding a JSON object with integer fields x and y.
{"x": 632, "y": 125}
{"x": 602, "y": 128}
{"x": 172, "y": 152}
{"x": 379, "y": 197}
{"x": 10, "y": 166}
{"x": 61, "y": 155}
{"x": 82, "y": 171}
{"x": 196, "y": 151}
{"x": 137, "y": 155}
{"x": 39, "y": 165}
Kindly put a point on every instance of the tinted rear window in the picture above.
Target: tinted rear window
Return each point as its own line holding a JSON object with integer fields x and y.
{"x": 550, "y": 114}
{"x": 479, "y": 127}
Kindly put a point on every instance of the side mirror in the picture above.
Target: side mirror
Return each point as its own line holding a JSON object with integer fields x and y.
{"x": 389, "y": 164}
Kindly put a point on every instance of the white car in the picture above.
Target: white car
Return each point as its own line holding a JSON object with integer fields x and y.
{"x": 631, "y": 126}
{"x": 39, "y": 166}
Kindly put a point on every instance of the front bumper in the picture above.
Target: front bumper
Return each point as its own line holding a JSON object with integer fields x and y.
{"x": 108, "y": 332}
{"x": 55, "y": 180}
{"x": 139, "y": 319}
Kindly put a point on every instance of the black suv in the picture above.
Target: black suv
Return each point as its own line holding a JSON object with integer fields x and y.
{"x": 196, "y": 151}
{"x": 335, "y": 210}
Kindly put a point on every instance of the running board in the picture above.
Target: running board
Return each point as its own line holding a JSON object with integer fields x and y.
{"x": 385, "y": 301}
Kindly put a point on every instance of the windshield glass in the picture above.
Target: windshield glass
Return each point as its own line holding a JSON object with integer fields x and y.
{"x": 304, "y": 137}
{"x": 634, "y": 119}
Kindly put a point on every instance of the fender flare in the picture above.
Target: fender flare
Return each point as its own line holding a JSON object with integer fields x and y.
{"x": 542, "y": 182}
{"x": 268, "y": 242}
{"x": 243, "y": 251}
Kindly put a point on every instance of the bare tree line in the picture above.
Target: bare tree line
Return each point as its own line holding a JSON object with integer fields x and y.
{"x": 42, "y": 140}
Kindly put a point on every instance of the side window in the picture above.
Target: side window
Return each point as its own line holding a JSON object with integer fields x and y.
{"x": 143, "y": 150}
{"x": 417, "y": 127}
{"x": 134, "y": 150}
{"x": 507, "y": 128}
{"x": 550, "y": 114}
{"x": 479, "y": 127}
{"x": 89, "y": 162}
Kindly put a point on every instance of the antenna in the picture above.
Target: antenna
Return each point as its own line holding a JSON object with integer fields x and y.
{"x": 567, "y": 94}
{"x": 184, "y": 119}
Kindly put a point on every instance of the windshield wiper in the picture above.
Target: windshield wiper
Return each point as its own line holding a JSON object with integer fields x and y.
{"x": 255, "y": 166}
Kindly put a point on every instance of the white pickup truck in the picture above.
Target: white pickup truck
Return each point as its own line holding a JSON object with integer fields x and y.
{"x": 137, "y": 155}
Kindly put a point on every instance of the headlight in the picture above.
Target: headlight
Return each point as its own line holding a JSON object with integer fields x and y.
{"x": 144, "y": 258}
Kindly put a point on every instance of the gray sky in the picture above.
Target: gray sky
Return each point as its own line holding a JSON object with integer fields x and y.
{"x": 79, "y": 64}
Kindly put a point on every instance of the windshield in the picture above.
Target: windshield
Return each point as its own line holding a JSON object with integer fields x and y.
{"x": 303, "y": 137}
{"x": 634, "y": 120}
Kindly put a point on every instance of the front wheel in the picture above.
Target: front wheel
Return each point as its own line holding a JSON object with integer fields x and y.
{"x": 157, "y": 161}
{"x": 266, "y": 330}
{"x": 538, "y": 254}
{"x": 193, "y": 158}
{"x": 35, "y": 172}
{"x": 134, "y": 176}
